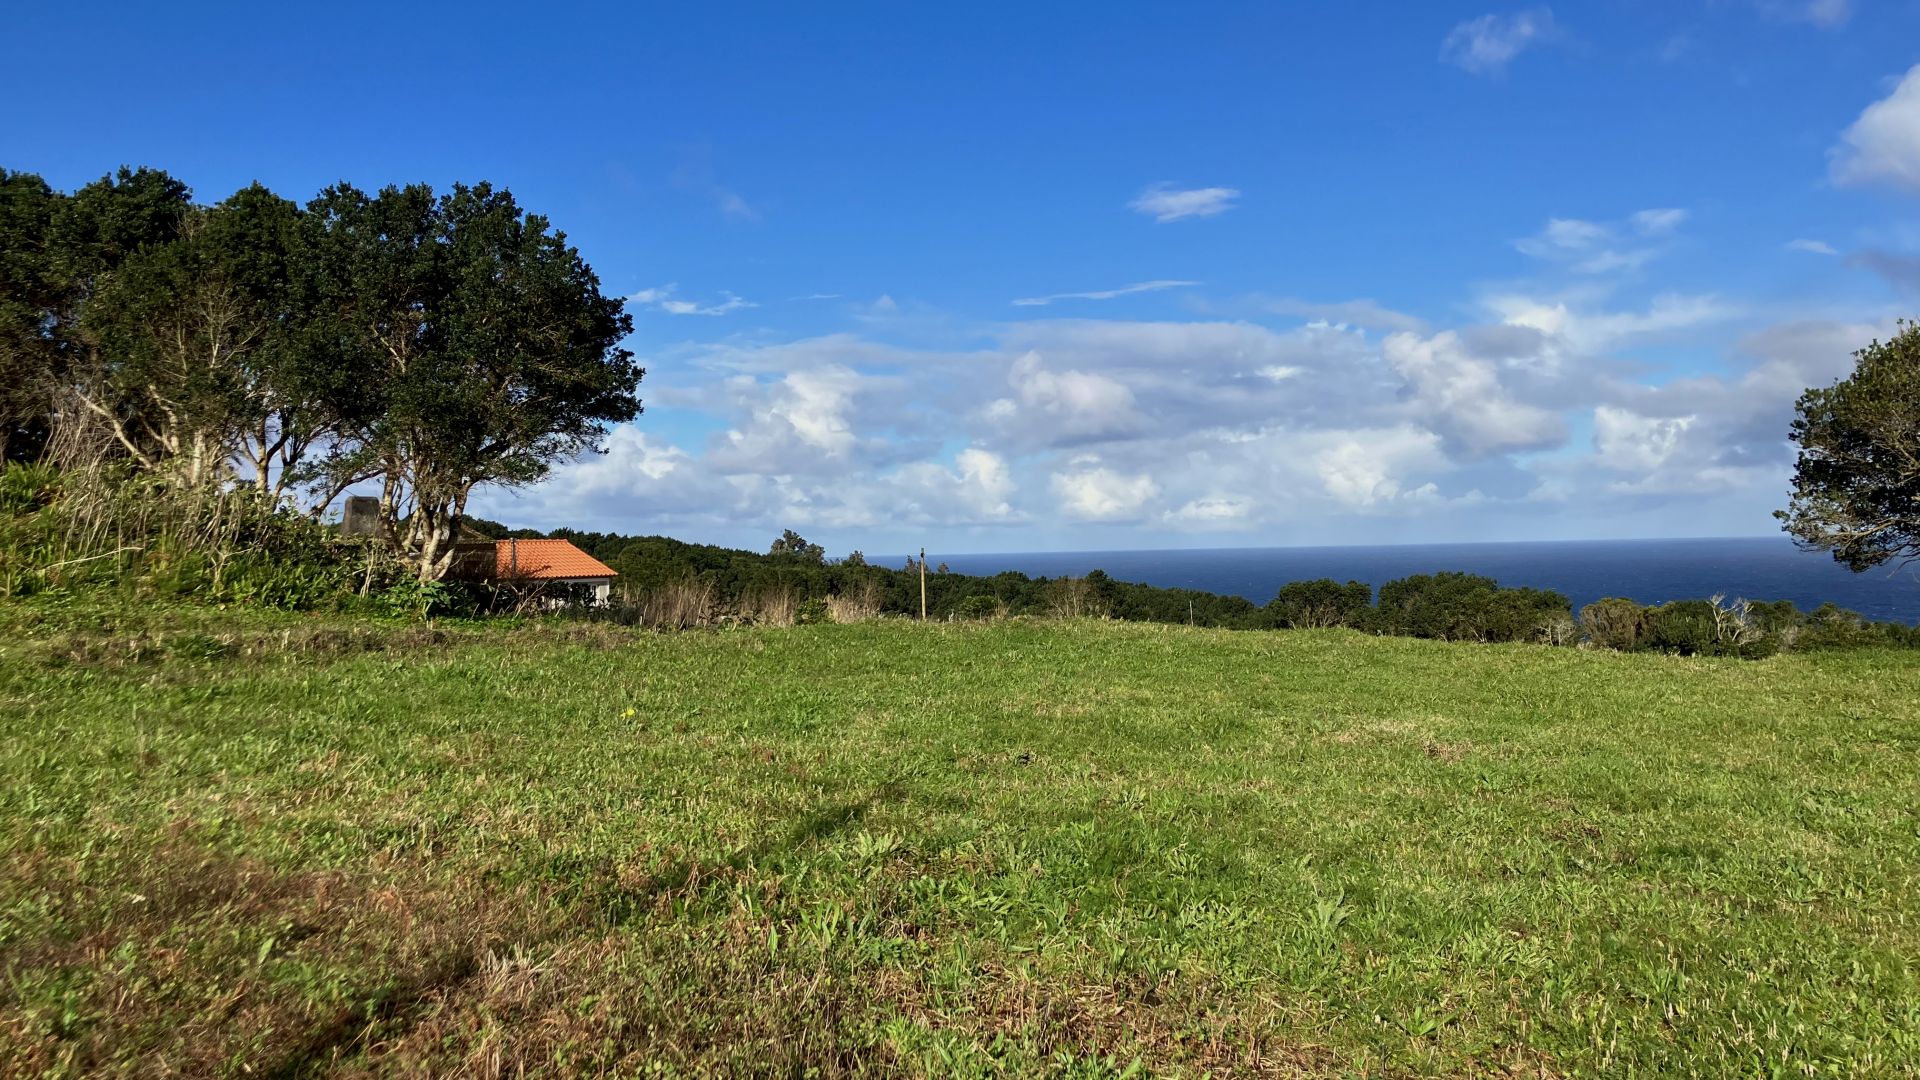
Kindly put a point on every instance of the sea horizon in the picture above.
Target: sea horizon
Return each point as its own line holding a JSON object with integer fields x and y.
{"x": 1650, "y": 571}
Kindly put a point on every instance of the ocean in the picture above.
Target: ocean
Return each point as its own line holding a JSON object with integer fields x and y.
{"x": 1649, "y": 571}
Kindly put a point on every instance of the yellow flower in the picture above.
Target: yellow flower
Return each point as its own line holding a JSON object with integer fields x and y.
{"x": 627, "y": 713}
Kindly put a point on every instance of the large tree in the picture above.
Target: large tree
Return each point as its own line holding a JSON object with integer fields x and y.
{"x": 27, "y": 207}
{"x": 202, "y": 364}
{"x": 480, "y": 345}
{"x": 90, "y": 237}
{"x": 1856, "y": 486}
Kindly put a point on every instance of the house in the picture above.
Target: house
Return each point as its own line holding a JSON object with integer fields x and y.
{"x": 553, "y": 563}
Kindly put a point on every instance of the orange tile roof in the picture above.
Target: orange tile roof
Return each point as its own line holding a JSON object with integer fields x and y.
{"x": 545, "y": 559}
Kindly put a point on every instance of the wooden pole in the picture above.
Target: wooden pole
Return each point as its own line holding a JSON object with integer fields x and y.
{"x": 923, "y": 584}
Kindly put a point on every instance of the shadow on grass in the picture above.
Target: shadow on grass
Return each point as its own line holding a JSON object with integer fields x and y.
{"x": 618, "y": 906}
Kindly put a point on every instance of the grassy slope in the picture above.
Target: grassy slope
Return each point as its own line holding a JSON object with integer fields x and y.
{"x": 939, "y": 850}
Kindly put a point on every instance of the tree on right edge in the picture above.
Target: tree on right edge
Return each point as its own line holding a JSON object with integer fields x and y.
{"x": 1856, "y": 485}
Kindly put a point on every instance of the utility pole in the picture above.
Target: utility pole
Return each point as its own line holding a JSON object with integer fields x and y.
{"x": 923, "y": 584}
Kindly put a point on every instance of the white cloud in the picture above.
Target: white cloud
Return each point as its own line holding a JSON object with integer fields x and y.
{"x": 1095, "y": 493}
{"x": 975, "y": 491}
{"x": 1073, "y": 404}
{"x": 1165, "y": 202}
{"x": 1366, "y": 469}
{"x": 1593, "y": 332}
{"x": 1486, "y": 45}
{"x": 1590, "y": 247}
{"x": 1363, "y": 313}
{"x": 661, "y": 298}
{"x": 1212, "y": 511}
{"x": 1563, "y": 235}
{"x": 1625, "y": 440}
{"x": 1461, "y": 397}
{"x": 1104, "y": 294}
{"x": 1811, "y": 247}
{"x": 1659, "y": 222}
{"x": 1883, "y": 145}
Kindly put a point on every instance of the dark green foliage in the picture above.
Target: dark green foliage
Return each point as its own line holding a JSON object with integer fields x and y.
{"x": 978, "y": 607}
{"x": 1683, "y": 626}
{"x": 812, "y": 612}
{"x": 1832, "y": 627}
{"x": 1856, "y": 485}
{"x": 27, "y": 294}
{"x": 792, "y": 545}
{"x": 1467, "y": 607}
{"x": 1320, "y": 603}
{"x": 58, "y": 253}
{"x": 483, "y": 347}
{"x": 1747, "y": 629}
{"x": 110, "y": 529}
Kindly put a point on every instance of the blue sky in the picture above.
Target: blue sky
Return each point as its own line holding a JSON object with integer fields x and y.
{"x": 1312, "y": 273}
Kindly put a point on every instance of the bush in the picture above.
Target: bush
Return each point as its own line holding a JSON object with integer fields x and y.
{"x": 1614, "y": 623}
{"x": 1321, "y": 603}
{"x": 812, "y": 612}
{"x": 978, "y": 607}
{"x": 1682, "y": 626}
{"x": 26, "y": 488}
{"x": 1467, "y": 607}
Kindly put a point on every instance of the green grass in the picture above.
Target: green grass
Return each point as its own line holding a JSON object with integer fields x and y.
{"x": 272, "y": 846}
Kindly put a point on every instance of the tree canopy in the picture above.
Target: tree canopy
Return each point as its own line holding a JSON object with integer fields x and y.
{"x": 427, "y": 342}
{"x": 1856, "y": 485}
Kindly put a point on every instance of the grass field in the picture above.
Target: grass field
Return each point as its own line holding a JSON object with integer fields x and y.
{"x": 273, "y": 846}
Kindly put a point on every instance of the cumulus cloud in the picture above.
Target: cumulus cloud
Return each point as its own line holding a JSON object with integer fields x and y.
{"x": 1486, "y": 45}
{"x": 1104, "y": 294}
{"x": 1708, "y": 434}
{"x": 1461, "y": 397}
{"x": 1883, "y": 145}
{"x": 1091, "y": 492}
{"x": 1199, "y": 427}
{"x": 1628, "y": 441}
{"x": 1362, "y": 473}
{"x": 1165, "y": 201}
{"x": 1074, "y": 404}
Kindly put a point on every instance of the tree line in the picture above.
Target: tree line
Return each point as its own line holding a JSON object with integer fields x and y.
{"x": 1448, "y": 606}
{"x": 425, "y": 342}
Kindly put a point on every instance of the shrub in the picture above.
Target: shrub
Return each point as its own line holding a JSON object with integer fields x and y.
{"x": 1467, "y": 607}
{"x": 812, "y": 612}
{"x": 1321, "y": 603}
{"x": 416, "y": 599}
{"x": 1682, "y": 626}
{"x": 26, "y": 488}
{"x": 1614, "y": 623}
{"x": 978, "y": 607}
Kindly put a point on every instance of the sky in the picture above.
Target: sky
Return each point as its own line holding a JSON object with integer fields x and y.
{"x": 1023, "y": 277}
